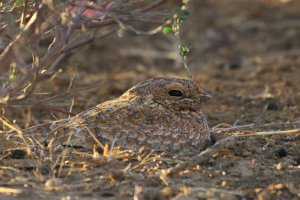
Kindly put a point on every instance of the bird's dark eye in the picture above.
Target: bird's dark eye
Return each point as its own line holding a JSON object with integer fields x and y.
{"x": 175, "y": 93}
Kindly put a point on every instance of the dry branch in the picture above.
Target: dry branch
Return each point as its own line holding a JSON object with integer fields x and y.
{"x": 41, "y": 35}
{"x": 205, "y": 155}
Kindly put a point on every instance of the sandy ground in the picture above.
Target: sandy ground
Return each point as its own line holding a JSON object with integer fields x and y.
{"x": 246, "y": 54}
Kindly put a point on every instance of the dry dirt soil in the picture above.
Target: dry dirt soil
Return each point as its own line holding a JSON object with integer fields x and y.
{"x": 246, "y": 54}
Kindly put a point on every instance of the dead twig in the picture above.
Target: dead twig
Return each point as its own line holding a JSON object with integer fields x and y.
{"x": 6, "y": 123}
{"x": 265, "y": 133}
{"x": 52, "y": 108}
{"x": 227, "y": 127}
{"x": 68, "y": 27}
{"x": 67, "y": 93}
{"x": 205, "y": 155}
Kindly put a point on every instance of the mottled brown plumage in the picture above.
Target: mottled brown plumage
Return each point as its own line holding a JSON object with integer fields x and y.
{"x": 160, "y": 113}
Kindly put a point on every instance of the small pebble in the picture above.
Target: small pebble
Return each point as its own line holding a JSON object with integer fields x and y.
{"x": 213, "y": 138}
{"x": 107, "y": 194}
{"x": 271, "y": 106}
{"x": 282, "y": 152}
{"x": 54, "y": 184}
{"x": 18, "y": 154}
{"x": 298, "y": 161}
{"x": 288, "y": 139}
{"x": 116, "y": 176}
{"x": 235, "y": 64}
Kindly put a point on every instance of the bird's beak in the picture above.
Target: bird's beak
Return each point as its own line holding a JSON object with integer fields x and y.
{"x": 205, "y": 97}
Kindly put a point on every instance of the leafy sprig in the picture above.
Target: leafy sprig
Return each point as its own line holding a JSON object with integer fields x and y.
{"x": 174, "y": 25}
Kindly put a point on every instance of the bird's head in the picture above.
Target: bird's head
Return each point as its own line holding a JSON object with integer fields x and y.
{"x": 172, "y": 93}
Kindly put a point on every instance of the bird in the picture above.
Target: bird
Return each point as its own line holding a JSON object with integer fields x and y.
{"x": 162, "y": 114}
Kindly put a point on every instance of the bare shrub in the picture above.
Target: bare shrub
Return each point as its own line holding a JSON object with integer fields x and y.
{"x": 37, "y": 36}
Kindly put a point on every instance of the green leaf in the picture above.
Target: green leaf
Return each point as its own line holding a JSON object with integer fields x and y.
{"x": 167, "y": 30}
{"x": 186, "y": 2}
{"x": 20, "y": 2}
{"x": 185, "y": 49}
{"x": 12, "y": 75}
{"x": 177, "y": 9}
{"x": 185, "y": 13}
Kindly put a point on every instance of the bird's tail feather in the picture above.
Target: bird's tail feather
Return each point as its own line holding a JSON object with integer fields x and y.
{"x": 60, "y": 132}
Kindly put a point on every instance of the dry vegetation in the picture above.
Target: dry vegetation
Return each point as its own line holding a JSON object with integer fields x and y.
{"x": 60, "y": 57}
